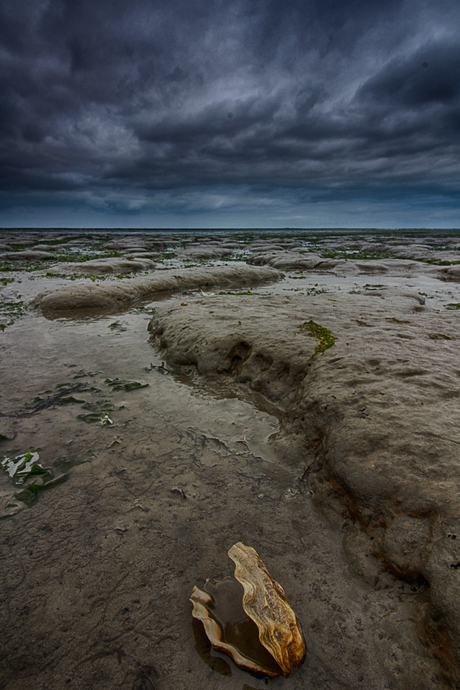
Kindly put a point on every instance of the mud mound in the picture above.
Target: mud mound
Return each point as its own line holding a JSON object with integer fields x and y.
{"x": 301, "y": 260}
{"x": 112, "y": 294}
{"x": 452, "y": 273}
{"x": 28, "y": 255}
{"x": 96, "y": 266}
{"x": 276, "y": 257}
{"x": 200, "y": 251}
{"x": 248, "y": 338}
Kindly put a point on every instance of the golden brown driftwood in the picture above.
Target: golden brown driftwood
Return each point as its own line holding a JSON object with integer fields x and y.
{"x": 265, "y": 603}
{"x": 254, "y": 625}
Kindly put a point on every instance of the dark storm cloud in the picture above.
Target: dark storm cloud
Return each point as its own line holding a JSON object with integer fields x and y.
{"x": 431, "y": 75}
{"x": 108, "y": 97}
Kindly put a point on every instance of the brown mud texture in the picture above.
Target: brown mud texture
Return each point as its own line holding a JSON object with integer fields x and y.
{"x": 315, "y": 419}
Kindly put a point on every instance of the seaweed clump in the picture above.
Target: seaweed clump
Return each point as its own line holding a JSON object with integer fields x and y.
{"x": 27, "y": 473}
{"x": 323, "y": 335}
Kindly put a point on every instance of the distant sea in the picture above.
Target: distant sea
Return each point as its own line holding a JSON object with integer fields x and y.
{"x": 238, "y": 231}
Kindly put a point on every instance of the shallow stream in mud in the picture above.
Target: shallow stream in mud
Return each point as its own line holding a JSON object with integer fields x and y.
{"x": 97, "y": 572}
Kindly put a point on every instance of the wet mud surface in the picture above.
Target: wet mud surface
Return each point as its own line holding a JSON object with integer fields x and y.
{"x": 97, "y": 573}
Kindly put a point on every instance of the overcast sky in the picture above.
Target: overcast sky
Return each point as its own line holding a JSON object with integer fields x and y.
{"x": 223, "y": 113}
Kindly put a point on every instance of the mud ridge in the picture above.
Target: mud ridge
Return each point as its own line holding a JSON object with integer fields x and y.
{"x": 114, "y": 293}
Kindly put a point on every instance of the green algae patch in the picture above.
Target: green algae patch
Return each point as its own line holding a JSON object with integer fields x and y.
{"x": 121, "y": 385}
{"x": 440, "y": 262}
{"x": 439, "y": 336}
{"x": 222, "y": 292}
{"x": 323, "y": 335}
{"x": 400, "y": 321}
{"x": 11, "y": 311}
{"x": 31, "y": 493}
{"x": 118, "y": 327}
{"x": 97, "y": 412}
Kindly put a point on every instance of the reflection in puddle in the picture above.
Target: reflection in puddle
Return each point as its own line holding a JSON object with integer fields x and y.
{"x": 220, "y": 664}
{"x": 235, "y": 634}
{"x": 208, "y": 655}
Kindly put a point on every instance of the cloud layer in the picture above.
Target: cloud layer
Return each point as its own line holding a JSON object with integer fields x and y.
{"x": 182, "y": 109}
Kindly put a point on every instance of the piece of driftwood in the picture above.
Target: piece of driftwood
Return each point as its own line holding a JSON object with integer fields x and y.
{"x": 251, "y": 622}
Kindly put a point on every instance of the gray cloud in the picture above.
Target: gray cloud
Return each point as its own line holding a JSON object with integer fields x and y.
{"x": 147, "y": 105}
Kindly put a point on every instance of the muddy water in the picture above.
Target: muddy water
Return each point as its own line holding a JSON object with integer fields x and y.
{"x": 97, "y": 573}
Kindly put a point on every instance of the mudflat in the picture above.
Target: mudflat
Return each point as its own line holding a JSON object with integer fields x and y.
{"x": 295, "y": 391}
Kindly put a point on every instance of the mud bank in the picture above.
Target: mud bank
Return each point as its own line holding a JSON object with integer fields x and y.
{"x": 112, "y": 294}
{"x": 375, "y": 413}
{"x": 314, "y": 263}
{"x": 96, "y": 266}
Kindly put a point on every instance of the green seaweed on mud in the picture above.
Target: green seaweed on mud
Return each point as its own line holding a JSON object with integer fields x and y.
{"x": 145, "y": 309}
{"x": 63, "y": 396}
{"x": 21, "y": 467}
{"x": 453, "y": 305}
{"x": 82, "y": 373}
{"x": 222, "y": 292}
{"x": 168, "y": 372}
{"x": 31, "y": 477}
{"x": 117, "y": 326}
{"x": 11, "y": 311}
{"x": 70, "y": 399}
{"x": 313, "y": 292}
{"x": 440, "y": 262}
{"x": 322, "y": 334}
{"x": 400, "y": 321}
{"x": 439, "y": 336}
{"x": 31, "y": 493}
{"x": 121, "y": 385}
{"x": 31, "y": 265}
{"x": 98, "y": 411}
